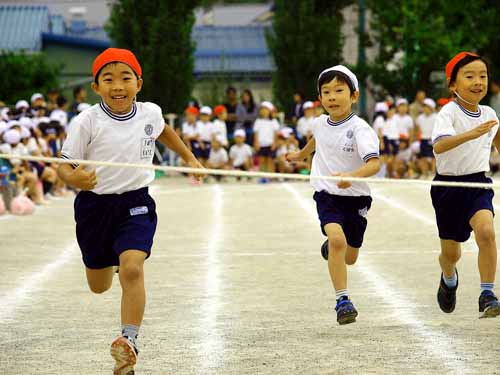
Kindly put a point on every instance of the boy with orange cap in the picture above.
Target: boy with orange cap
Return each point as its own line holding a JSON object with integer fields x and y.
{"x": 115, "y": 216}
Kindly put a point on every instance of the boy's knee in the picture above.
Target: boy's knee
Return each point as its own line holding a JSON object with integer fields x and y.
{"x": 451, "y": 256}
{"x": 337, "y": 242}
{"x": 485, "y": 234}
{"x": 131, "y": 272}
{"x": 99, "y": 289}
{"x": 350, "y": 260}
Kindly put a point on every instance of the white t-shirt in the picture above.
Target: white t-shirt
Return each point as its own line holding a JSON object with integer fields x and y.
{"x": 342, "y": 146}
{"x": 189, "y": 130}
{"x": 61, "y": 116}
{"x": 265, "y": 130}
{"x": 205, "y": 130}
{"x": 472, "y": 156}
{"x": 426, "y": 125}
{"x": 18, "y": 150}
{"x": 378, "y": 125}
{"x": 390, "y": 129}
{"x": 304, "y": 126}
{"x": 403, "y": 123}
{"x": 98, "y": 134}
{"x": 239, "y": 154}
{"x": 219, "y": 157}
{"x": 219, "y": 129}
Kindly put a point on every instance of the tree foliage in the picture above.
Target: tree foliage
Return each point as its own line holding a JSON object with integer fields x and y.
{"x": 159, "y": 33}
{"x": 305, "y": 39}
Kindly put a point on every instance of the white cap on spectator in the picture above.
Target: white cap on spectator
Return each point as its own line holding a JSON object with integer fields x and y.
{"x": 3, "y": 126}
{"x": 341, "y": 69}
{"x": 219, "y": 138}
{"x": 82, "y": 107}
{"x": 240, "y": 133}
{"x": 268, "y": 105}
{"x": 401, "y": 101}
{"x": 25, "y": 133}
{"x": 307, "y": 105}
{"x": 41, "y": 120}
{"x": 430, "y": 103}
{"x": 13, "y": 123}
{"x": 381, "y": 107}
{"x": 12, "y": 136}
{"x": 58, "y": 116}
{"x": 206, "y": 110}
{"x": 4, "y": 113}
{"x": 22, "y": 104}
{"x": 36, "y": 96}
{"x": 26, "y": 122}
{"x": 286, "y": 131}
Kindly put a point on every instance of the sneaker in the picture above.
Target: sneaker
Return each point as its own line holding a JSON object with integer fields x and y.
{"x": 446, "y": 296}
{"x": 488, "y": 304}
{"x": 324, "y": 250}
{"x": 124, "y": 352}
{"x": 346, "y": 312}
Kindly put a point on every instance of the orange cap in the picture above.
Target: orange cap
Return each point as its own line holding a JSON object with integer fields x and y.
{"x": 116, "y": 55}
{"x": 454, "y": 61}
{"x": 443, "y": 101}
{"x": 192, "y": 109}
{"x": 219, "y": 109}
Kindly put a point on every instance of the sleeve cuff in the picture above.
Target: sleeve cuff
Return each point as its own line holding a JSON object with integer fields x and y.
{"x": 370, "y": 156}
{"x": 66, "y": 157}
{"x": 440, "y": 137}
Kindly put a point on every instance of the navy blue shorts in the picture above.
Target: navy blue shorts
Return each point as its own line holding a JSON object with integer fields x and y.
{"x": 109, "y": 224}
{"x": 39, "y": 167}
{"x": 265, "y": 152}
{"x": 455, "y": 207}
{"x": 205, "y": 153}
{"x": 426, "y": 149}
{"x": 348, "y": 212}
{"x": 196, "y": 149}
{"x": 391, "y": 146}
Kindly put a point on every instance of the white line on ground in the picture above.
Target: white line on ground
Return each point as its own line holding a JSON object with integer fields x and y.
{"x": 434, "y": 342}
{"x": 12, "y": 300}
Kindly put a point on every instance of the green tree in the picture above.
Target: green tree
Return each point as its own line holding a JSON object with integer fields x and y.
{"x": 417, "y": 37}
{"x": 24, "y": 74}
{"x": 305, "y": 39}
{"x": 159, "y": 33}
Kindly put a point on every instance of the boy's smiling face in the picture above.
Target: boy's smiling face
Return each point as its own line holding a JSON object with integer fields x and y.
{"x": 117, "y": 85}
{"x": 337, "y": 100}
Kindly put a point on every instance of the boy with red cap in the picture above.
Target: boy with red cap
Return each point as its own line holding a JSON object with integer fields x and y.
{"x": 115, "y": 216}
{"x": 219, "y": 128}
{"x": 462, "y": 137}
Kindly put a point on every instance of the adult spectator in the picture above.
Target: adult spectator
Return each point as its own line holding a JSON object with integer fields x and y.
{"x": 231, "y": 104}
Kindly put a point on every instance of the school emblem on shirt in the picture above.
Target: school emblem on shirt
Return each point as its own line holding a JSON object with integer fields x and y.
{"x": 148, "y": 129}
{"x": 350, "y": 134}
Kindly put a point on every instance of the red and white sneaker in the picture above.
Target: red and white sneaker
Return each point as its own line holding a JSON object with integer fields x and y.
{"x": 125, "y": 355}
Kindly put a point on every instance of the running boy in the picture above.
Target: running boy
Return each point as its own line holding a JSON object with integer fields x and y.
{"x": 345, "y": 146}
{"x": 462, "y": 137}
{"x": 115, "y": 216}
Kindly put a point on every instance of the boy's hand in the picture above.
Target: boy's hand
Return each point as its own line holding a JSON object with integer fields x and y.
{"x": 293, "y": 156}
{"x": 196, "y": 164}
{"x": 482, "y": 129}
{"x": 343, "y": 184}
{"x": 82, "y": 179}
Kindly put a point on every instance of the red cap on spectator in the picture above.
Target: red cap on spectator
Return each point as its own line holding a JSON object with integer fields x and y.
{"x": 116, "y": 55}
{"x": 219, "y": 109}
{"x": 192, "y": 109}
{"x": 443, "y": 101}
{"x": 454, "y": 61}
{"x": 316, "y": 104}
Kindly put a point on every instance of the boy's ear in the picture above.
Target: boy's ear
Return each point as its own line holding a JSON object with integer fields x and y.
{"x": 355, "y": 96}
{"x": 139, "y": 84}
{"x": 95, "y": 87}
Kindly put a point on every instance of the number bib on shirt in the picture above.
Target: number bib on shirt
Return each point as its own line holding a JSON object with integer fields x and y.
{"x": 147, "y": 148}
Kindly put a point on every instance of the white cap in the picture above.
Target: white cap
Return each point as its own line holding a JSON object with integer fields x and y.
{"x": 26, "y": 122}
{"x": 219, "y": 138}
{"x": 41, "y": 120}
{"x": 286, "y": 131}
{"x": 82, "y": 107}
{"x": 36, "y": 96}
{"x": 240, "y": 133}
{"x": 12, "y": 136}
{"x": 430, "y": 103}
{"x": 3, "y": 126}
{"x": 381, "y": 107}
{"x": 4, "y": 113}
{"x": 341, "y": 69}
{"x": 268, "y": 105}
{"x": 401, "y": 101}
{"x": 58, "y": 116}
{"x": 22, "y": 104}
{"x": 13, "y": 123}
{"x": 307, "y": 105}
{"x": 206, "y": 110}
{"x": 25, "y": 133}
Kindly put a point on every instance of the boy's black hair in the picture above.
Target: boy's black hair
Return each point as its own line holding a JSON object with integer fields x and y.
{"x": 112, "y": 62}
{"x": 61, "y": 100}
{"x": 229, "y": 89}
{"x": 467, "y": 60}
{"x": 331, "y": 75}
{"x": 77, "y": 90}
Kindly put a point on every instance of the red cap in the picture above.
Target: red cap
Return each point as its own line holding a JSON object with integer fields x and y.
{"x": 192, "y": 109}
{"x": 116, "y": 55}
{"x": 454, "y": 61}
{"x": 219, "y": 109}
{"x": 443, "y": 101}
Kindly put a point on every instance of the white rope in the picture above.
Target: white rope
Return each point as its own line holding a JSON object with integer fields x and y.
{"x": 238, "y": 173}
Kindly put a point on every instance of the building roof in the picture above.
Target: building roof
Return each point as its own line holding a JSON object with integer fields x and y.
{"x": 20, "y": 27}
{"x": 232, "y": 15}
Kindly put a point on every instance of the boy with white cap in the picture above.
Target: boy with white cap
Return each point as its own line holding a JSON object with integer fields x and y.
{"x": 240, "y": 154}
{"x": 304, "y": 124}
{"x": 204, "y": 128}
{"x": 403, "y": 120}
{"x": 347, "y": 146}
{"x": 425, "y": 124}
{"x": 265, "y": 129}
